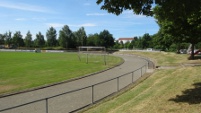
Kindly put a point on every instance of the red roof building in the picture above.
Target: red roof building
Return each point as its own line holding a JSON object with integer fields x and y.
{"x": 124, "y": 40}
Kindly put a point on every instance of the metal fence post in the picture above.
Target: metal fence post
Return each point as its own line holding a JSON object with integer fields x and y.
{"x": 146, "y": 69}
{"x": 46, "y": 105}
{"x": 117, "y": 84}
{"x": 132, "y": 76}
{"x": 92, "y": 94}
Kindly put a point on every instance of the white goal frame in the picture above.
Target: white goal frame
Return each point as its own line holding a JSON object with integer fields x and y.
{"x": 98, "y": 50}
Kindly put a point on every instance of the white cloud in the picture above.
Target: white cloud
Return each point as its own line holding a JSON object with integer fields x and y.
{"x": 87, "y": 4}
{"x": 20, "y": 19}
{"x": 130, "y": 14}
{"x": 96, "y": 14}
{"x": 55, "y": 25}
{"x": 84, "y": 25}
{"x": 88, "y": 25}
{"x": 23, "y": 6}
{"x": 39, "y": 19}
{"x": 59, "y": 25}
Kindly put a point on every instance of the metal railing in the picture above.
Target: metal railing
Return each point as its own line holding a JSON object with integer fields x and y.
{"x": 74, "y": 100}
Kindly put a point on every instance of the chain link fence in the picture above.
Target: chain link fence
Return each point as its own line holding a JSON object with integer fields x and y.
{"x": 74, "y": 100}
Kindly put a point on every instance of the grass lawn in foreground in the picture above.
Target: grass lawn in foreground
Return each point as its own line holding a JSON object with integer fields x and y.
{"x": 166, "y": 91}
{"x": 20, "y": 70}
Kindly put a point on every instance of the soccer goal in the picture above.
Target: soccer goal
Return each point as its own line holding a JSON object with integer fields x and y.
{"x": 93, "y": 54}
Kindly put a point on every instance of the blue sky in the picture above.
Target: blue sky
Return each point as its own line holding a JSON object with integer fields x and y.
{"x": 40, "y": 15}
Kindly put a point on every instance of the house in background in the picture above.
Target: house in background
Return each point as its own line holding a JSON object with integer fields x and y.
{"x": 124, "y": 40}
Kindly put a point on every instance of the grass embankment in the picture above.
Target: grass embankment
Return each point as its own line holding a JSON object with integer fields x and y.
{"x": 166, "y": 91}
{"x": 163, "y": 58}
{"x": 20, "y": 71}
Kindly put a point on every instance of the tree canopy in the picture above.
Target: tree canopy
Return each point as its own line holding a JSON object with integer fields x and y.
{"x": 28, "y": 39}
{"x": 8, "y": 38}
{"x": 80, "y": 37}
{"x": 104, "y": 38}
{"x": 118, "y": 6}
{"x": 179, "y": 18}
{"x": 17, "y": 39}
{"x": 65, "y": 37}
{"x": 39, "y": 41}
{"x": 51, "y": 36}
{"x": 182, "y": 21}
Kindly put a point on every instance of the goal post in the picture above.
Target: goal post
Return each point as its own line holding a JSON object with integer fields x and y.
{"x": 92, "y": 50}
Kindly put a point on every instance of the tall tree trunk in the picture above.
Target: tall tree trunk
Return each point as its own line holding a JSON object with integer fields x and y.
{"x": 178, "y": 48}
{"x": 192, "y": 57}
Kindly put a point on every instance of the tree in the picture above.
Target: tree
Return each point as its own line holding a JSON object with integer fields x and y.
{"x": 17, "y": 39}
{"x": 138, "y": 6}
{"x": 138, "y": 43}
{"x": 183, "y": 16}
{"x": 182, "y": 21}
{"x": 92, "y": 40}
{"x": 163, "y": 41}
{"x": 8, "y": 38}
{"x": 106, "y": 39}
{"x": 2, "y": 39}
{"x": 39, "y": 41}
{"x": 133, "y": 42}
{"x": 121, "y": 44}
{"x": 81, "y": 37}
{"x": 117, "y": 45}
{"x": 127, "y": 45}
{"x": 146, "y": 41}
{"x": 65, "y": 37}
{"x": 28, "y": 39}
{"x": 51, "y": 36}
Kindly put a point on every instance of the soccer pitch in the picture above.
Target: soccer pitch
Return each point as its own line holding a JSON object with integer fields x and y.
{"x": 23, "y": 70}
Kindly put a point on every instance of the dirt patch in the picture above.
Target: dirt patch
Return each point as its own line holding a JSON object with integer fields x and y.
{"x": 166, "y": 67}
{"x": 6, "y": 88}
{"x": 192, "y": 63}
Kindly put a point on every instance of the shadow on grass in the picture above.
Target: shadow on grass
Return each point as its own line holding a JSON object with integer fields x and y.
{"x": 196, "y": 57}
{"x": 191, "y": 96}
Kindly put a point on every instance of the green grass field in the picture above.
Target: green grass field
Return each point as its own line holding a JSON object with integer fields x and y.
{"x": 166, "y": 91}
{"x": 21, "y": 71}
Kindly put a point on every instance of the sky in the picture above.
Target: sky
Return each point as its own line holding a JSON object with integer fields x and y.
{"x": 39, "y": 15}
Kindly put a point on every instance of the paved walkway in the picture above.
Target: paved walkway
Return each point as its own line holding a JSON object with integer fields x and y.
{"x": 131, "y": 63}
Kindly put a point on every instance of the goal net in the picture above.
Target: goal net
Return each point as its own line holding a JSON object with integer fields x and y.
{"x": 95, "y": 54}
{"x": 92, "y": 49}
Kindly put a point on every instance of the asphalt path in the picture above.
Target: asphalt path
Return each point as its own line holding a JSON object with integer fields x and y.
{"x": 71, "y": 101}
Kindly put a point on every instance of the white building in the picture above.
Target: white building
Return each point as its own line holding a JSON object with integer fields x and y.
{"x": 124, "y": 40}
